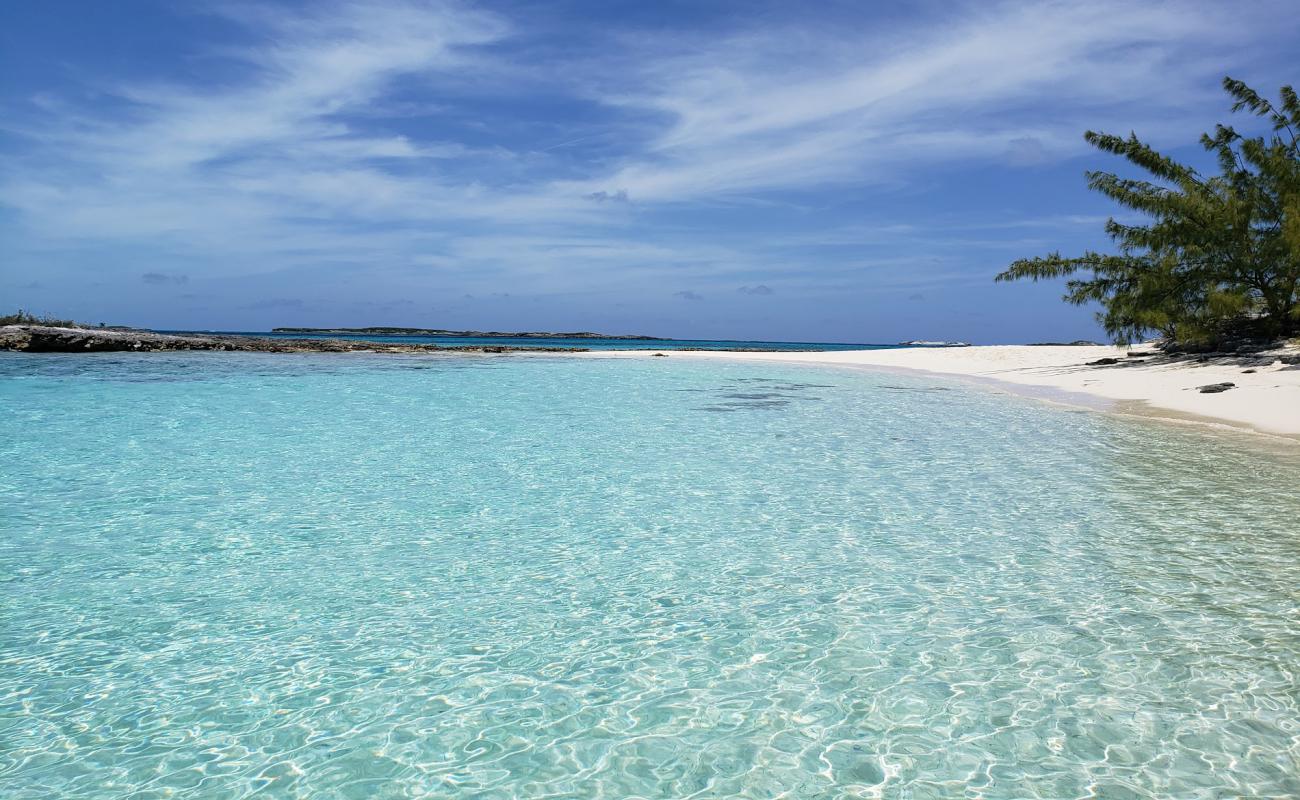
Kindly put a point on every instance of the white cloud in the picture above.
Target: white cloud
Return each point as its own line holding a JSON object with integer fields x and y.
{"x": 294, "y": 158}
{"x": 758, "y": 113}
{"x": 310, "y": 72}
{"x": 197, "y": 159}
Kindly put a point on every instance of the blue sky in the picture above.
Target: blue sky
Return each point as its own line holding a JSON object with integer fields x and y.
{"x": 839, "y": 171}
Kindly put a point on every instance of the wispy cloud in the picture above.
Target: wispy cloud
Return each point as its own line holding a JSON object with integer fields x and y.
{"x": 277, "y": 148}
{"x": 762, "y": 111}
{"x": 442, "y": 145}
{"x": 756, "y": 112}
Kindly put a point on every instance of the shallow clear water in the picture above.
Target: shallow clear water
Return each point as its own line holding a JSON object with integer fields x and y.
{"x": 227, "y": 575}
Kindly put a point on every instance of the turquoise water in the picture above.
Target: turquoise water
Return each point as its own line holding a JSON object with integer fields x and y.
{"x": 356, "y": 576}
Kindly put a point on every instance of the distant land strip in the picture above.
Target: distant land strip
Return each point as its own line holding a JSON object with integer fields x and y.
{"x": 27, "y": 338}
{"x": 54, "y": 339}
{"x": 388, "y": 331}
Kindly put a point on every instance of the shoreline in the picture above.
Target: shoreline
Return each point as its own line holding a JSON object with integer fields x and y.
{"x": 34, "y": 338}
{"x": 1262, "y": 394}
{"x": 54, "y": 339}
{"x": 1146, "y": 384}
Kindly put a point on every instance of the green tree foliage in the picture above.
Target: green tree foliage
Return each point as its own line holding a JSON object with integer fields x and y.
{"x": 1219, "y": 256}
{"x": 25, "y": 318}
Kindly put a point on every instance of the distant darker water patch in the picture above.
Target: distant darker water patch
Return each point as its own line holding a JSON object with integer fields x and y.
{"x": 771, "y": 393}
{"x": 745, "y": 406}
{"x": 916, "y": 388}
{"x": 195, "y": 366}
{"x": 563, "y": 342}
{"x": 751, "y": 395}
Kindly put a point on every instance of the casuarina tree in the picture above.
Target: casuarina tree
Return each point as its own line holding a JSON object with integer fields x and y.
{"x": 1214, "y": 257}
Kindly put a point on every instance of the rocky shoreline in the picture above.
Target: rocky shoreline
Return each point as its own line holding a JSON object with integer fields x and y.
{"x": 50, "y": 339}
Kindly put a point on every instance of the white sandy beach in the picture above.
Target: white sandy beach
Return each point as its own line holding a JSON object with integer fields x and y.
{"x": 1267, "y": 400}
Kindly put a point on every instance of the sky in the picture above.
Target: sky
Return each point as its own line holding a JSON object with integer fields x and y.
{"x": 822, "y": 171}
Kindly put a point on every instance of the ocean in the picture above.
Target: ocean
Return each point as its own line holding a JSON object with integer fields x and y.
{"x": 567, "y": 342}
{"x": 362, "y": 576}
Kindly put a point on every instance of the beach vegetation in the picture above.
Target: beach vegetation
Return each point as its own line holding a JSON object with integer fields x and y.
{"x": 1213, "y": 258}
{"x": 21, "y": 317}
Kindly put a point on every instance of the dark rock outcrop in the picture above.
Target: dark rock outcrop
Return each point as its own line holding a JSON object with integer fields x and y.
{"x": 1215, "y": 388}
{"x": 48, "y": 339}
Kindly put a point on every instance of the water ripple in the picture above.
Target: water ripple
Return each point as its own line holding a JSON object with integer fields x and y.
{"x": 550, "y": 578}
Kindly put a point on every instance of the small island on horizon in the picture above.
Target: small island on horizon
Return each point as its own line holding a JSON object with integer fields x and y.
{"x": 392, "y": 331}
